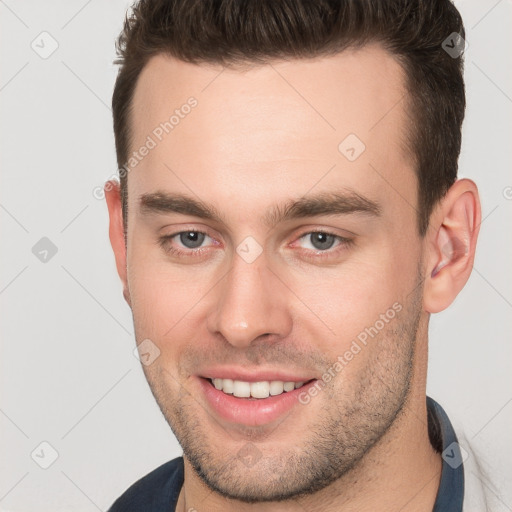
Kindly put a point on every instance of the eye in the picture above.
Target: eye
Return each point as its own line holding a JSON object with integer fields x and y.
{"x": 185, "y": 243}
{"x": 191, "y": 239}
{"x": 319, "y": 244}
{"x": 319, "y": 240}
{"x": 316, "y": 244}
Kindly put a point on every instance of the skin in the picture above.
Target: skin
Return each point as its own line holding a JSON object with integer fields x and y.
{"x": 261, "y": 136}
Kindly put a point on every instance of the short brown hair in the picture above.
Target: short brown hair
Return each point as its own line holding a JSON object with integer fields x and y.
{"x": 231, "y": 32}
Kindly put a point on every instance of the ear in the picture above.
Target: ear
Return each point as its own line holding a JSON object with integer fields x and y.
{"x": 116, "y": 232}
{"x": 451, "y": 243}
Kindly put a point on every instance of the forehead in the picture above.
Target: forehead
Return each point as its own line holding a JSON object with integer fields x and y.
{"x": 272, "y": 126}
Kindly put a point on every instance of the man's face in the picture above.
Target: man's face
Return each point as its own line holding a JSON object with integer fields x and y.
{"x": 262, "y": 294}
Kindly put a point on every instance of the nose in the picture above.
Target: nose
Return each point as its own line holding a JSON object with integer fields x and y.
{"x": 251, "y": 302}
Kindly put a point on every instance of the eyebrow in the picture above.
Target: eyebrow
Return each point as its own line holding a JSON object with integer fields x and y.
{"x": 325, "y": 203}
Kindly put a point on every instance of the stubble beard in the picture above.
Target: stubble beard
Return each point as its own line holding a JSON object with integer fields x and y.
{"x": 345, "y": 428}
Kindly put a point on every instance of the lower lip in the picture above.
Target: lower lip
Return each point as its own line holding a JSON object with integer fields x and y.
{"x": 251, "y": 412}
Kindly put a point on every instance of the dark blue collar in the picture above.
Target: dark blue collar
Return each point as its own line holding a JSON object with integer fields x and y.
{"x": 450, "y": 495}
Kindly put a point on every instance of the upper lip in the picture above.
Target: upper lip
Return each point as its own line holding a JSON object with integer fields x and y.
{"x": 256, "y": 375}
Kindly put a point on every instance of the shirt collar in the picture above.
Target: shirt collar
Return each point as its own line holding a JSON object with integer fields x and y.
{"x": 450, "y": 495}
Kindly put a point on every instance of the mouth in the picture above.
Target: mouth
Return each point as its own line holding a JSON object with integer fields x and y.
{"x": 254, "y": 402}
{"x": 255, "y": 390}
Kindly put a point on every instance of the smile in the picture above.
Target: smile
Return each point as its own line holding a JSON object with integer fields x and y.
{"x": 260, "y": 390}
{"x": 252, "y": 402}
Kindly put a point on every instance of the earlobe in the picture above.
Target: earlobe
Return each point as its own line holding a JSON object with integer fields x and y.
{"x": 454, "y": 232}
{"x": 116, "y": 232}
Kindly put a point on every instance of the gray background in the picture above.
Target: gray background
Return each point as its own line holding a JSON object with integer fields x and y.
{"x": 67, "y": 369}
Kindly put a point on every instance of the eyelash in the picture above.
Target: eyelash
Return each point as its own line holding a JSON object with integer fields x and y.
{"x": 344, "y": 243}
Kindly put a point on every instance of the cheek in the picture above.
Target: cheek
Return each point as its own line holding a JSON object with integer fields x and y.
{"x": 363, "y": 295}
{"x": 166, "y": 300}
{"x": 158, "y": 302}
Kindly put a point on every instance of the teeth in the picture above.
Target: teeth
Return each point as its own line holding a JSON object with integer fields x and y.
{"x": 227, "y": 386}
{"x": 241, "y": 389}
{"x": 262, "y": 389}
{"x": 289, "y": 386}
{"x": 276, "y": 387}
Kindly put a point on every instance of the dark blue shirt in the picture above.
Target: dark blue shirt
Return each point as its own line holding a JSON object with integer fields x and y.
{"x": 158, "y": 491}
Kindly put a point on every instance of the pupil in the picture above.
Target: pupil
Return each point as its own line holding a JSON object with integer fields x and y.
{"x": 322, "y": 240}
{"x": 191, "y": 239}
